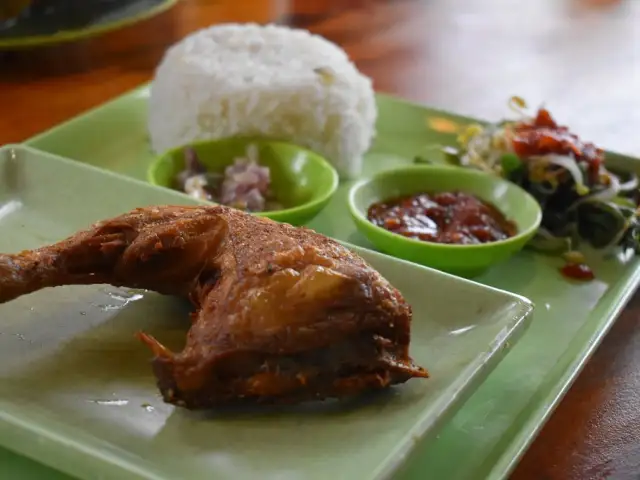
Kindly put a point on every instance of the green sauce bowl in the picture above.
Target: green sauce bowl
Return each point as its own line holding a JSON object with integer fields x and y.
{"x": 462, "y": 260}
{"x": 301, "y": 180}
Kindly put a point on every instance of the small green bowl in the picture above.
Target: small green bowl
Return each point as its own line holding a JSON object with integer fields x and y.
{"x": 462, "y": 260}
{"x": 301, "y": 180}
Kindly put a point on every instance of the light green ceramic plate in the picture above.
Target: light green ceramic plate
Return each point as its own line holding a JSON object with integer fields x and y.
{"x": 77, "y": 393}
{"x": 486, "y": 438}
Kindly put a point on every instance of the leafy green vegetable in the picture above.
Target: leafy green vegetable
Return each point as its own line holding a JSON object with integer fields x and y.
{"x": 438, "y": 155}
{"x": 510, "y": 162}
{"x": 578, "y": 203}
{"x": 625, "y": 202}
{"x": 421, "y": 159}
{"x": 451, "y": 155}
{"x": 631, "y": 238}
{"x": 550, "y": 244}
{"x": 600, "y": 223}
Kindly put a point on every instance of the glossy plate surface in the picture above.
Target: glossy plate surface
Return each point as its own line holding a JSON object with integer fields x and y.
{"x": 77, "y": 393}
{"x": 486, "y": 437}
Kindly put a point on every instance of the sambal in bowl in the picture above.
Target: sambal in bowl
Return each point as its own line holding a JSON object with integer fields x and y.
{"x": 452, "y": 219}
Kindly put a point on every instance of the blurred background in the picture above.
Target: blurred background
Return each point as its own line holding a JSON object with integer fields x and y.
{"x": 580, "y": 56}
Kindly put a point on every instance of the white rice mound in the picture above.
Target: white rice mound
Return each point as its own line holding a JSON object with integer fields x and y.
{"x": 266, "y": 81}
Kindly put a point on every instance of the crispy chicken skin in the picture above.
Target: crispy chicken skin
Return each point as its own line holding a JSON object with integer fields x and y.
{"x": 282, "y": 314}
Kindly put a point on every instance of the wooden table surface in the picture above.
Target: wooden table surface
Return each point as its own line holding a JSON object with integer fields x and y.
{"x": 582, "y": 58}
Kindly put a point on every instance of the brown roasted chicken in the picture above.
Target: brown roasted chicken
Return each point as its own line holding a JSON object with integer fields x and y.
{"x": 282, "y": 314}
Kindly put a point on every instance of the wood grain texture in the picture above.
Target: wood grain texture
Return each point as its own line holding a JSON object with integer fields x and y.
{"x": 580, "y": 57}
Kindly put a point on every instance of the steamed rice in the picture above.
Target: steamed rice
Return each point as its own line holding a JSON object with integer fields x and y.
{"x": 268, "y": 81}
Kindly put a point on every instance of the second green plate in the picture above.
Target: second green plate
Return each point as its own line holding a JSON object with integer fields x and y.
{"x": 487, "y": 437}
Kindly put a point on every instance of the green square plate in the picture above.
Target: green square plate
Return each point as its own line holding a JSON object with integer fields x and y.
{"x": 488, "y": 435}
{"x": 76, "y": 389}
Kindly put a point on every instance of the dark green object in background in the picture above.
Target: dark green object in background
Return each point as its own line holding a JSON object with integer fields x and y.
{"x": 53, "y": 21}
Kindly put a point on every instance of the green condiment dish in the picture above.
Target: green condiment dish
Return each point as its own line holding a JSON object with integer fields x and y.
{"x": 462, "y": 260}
{"x": 301, "y": 180}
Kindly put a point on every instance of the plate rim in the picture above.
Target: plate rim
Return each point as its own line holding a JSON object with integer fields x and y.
{"x": 515, "y": 322}
{"x": 571, "y": 362}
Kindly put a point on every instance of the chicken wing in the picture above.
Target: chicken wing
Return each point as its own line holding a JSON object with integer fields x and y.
{"x": 282, "y": 314}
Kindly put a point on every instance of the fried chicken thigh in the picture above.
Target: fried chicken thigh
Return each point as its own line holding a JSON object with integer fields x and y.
{"x": 282, "y": 314}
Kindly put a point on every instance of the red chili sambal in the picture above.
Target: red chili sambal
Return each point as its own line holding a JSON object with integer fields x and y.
{"x": 577, "y": 271}
{"x": 544, "y": 136}
{"x": 449, "y": 217}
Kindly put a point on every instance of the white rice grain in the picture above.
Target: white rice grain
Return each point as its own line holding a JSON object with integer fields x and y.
{"x": 267, "y": 81}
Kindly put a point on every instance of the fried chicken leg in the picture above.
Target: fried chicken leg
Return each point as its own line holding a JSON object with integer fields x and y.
{"x": 282, "y": 314}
